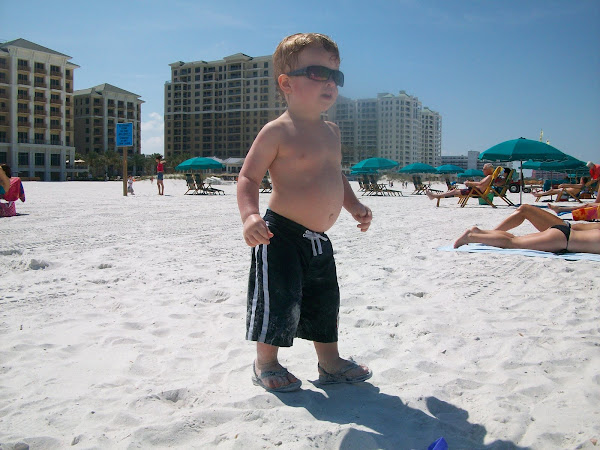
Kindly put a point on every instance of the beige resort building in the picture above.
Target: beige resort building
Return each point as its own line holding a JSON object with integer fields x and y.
{"x": 98, "y": 110}
{"x": 36, "y": 110}
{"x": 217, "y": 108}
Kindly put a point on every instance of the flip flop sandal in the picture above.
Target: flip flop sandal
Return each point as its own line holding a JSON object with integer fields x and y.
{"x": 258, "y": 380}
{"x": 340, "y": 376}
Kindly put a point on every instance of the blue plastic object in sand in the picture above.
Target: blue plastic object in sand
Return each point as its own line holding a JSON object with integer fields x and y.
{"x": 440, "y": 444}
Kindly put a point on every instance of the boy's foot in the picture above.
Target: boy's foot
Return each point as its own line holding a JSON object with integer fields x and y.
{"x": 349, "y": 372}
{"x": 278, "y": 380}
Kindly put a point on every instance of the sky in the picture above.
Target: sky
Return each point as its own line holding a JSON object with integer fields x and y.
{"x": 495, "y": 70}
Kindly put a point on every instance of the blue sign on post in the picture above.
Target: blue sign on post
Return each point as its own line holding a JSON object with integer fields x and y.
{"x": 125, "y": 134}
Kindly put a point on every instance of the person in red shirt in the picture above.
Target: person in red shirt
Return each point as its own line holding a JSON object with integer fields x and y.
{"x": 160, "y": 170}
{"x": 594, "y": 170}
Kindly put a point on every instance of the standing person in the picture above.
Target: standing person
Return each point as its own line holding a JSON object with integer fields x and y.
{"x": 160, "y": 173}
{"x": 594, "y": 170}
{"x": 130, "y": 181}
{"x": 293, "y": 289}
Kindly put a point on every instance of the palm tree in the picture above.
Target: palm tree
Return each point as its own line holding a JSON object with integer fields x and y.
{"x": 137, "y": 161}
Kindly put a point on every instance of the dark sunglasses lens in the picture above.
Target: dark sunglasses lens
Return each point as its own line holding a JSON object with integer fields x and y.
{"x": 321, "y": 73}
{"x": 318, "y": 73}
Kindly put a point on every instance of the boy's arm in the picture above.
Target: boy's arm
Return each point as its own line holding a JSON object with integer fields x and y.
{"x": 257, "y": 162}
{"x": 361, "y": 213}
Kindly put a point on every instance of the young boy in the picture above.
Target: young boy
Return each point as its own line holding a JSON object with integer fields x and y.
{"x": 293, "y": 290}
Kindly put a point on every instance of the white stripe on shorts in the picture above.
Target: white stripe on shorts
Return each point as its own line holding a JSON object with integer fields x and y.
{"x": 254, "y": 295}
{"x": 265, "y": 325}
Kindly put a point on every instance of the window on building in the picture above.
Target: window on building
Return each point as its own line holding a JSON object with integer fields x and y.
{"x": 23, "y": 159}
{"x": 40, "y": 159}
{"x": 55, "y": 159}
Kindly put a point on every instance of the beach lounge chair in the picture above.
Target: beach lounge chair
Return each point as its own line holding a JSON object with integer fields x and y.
{"x": 204, "y": 188}
{"x": 449, "y": 184}
{"x": 265, "y": 186}
{"x": 588, "y": 190}
{"x": 483, "y": 194}
{"x": 420, "y": 188}
{"x": 374, "y": 188}
{"x": 191, "y": 185}
{"x": 501, "y": 190}
{"x": 15, "y": 192}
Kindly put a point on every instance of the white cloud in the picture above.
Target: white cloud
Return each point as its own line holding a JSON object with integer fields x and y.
{"x": 153, "y": 134}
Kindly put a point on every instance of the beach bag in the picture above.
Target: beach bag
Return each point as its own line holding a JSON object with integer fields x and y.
{"x": 587, "y": 213}
{"x": 8, "y": 209}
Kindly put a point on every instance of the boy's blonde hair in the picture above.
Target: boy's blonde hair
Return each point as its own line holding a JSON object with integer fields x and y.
{"x": 286, "y": 53}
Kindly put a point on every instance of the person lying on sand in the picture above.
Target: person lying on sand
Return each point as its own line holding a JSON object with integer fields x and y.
{"x": 570, "y": 208}
{"x": 555, "y": 235}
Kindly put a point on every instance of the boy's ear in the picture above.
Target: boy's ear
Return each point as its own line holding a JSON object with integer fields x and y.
{"x": 284, "y": 83}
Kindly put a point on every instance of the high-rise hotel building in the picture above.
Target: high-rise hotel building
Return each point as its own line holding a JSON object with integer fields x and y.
{"x": 36, "y": 110}
{"x": 389, "y": 126}
{"x": 217, "y": 108}
{"x": 98, "y": 110}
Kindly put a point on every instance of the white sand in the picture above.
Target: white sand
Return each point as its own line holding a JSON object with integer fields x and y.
{"x": 123, "y": 319}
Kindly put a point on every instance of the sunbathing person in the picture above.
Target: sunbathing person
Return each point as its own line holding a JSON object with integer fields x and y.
{"x": 555, "y": 235}
{"x": 573, "y": 189}
{"x": 488, "y": 170}
{"x": 570, "y": 208}
{"x": 4, "y": 180}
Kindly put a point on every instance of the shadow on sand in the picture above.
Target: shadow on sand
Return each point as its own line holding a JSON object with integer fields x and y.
{"x": 394, "y": 424}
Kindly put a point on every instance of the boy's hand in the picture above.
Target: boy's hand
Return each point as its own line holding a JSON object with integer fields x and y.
{"x": 256, "y": 231}
{"x": 363, "y": 216}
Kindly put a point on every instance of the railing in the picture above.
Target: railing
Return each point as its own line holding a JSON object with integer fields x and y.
{"x": 55, "y": 73}
{"x": 39, "y": 99}
{"x": 40, "y": 70}
{"x": 56, "y": 101}
{"x": 23, "y": 82}
{"x": 55, "y": 113}
{"x": 24, "y": 124}
{"x": 24, "y": 97}
{"x": 39, "y": 84}
{"x": 39, "y": 112}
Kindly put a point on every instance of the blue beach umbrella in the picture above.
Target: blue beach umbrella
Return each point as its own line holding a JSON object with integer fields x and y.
{"x": 199, "y": 163}
{"x": 418, "y": 168}
{"x": 449, "y": 168}
{"x": 469, "y": 173}
{"x": 372, "y": 165}
{"x": 522, "y": 150}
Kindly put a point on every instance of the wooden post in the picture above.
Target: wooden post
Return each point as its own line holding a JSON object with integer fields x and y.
{"x": 124, "y": 171}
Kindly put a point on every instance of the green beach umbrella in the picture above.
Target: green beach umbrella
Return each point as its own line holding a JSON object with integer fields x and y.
{"x": 567, "y": 164}
{"x": 522, "y": 150}
{"x": 449, "y": 168}
{"x": 418, "y": 168}
{"x": 470, "y": 173}
{"x": 199, "y": 163}
{"x": 372, "y": 165}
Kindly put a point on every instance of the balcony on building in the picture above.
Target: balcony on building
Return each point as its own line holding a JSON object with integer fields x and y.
{"x": 55, "y": 72}
{"x": 24, "y": 124}
{"x": 39, "y": 99}
{"x": 23, "y": 66}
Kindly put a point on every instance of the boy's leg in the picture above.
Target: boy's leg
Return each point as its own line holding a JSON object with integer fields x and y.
{"x": 329, "y": 359}
{"x": 266, "y": 361}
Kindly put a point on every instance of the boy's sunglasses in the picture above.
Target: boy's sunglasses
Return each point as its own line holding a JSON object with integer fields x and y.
{"x": 320, "y": 73}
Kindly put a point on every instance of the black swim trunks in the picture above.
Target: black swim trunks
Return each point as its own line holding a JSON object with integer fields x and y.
{"x": 566, "y": 229}
{"x": 292, "y": 289}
